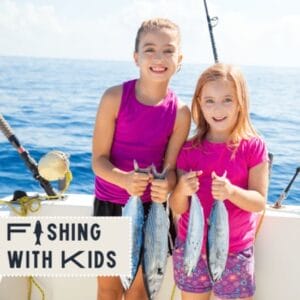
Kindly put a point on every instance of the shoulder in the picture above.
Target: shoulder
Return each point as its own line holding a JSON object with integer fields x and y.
{"x": 255, "y": 150}
{"x": 182, "y": 107}
{"x": 253, "y": 143}
{"x": 183, "y": 114}
{"x": 112, "y": 94}
{"x": 111, "y": 99}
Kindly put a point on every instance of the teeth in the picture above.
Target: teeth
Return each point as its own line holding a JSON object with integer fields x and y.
{"x": 158, "y": 69}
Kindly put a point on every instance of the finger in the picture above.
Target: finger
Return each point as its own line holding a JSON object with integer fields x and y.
{"x": 151, "y": 177}
{"x": 136, "y": 193}
{"x": 193, "y": 180}
{"x": 158, "y": 190}
{"x": 158, "y": 197}
{"x": 213, "y": 175}
{"x": 191, "y": 174}
{"x": 195, "y": 185}
{"x": 158, "y": 200}
{"x": 142, "y": 176}
{"x": 218, "y": 183}
{"x": 216, "y": 195}
{"x": 140, "y": 191}
{"x": 159, "y": 183}
{"x": 199, "y": 173}
{"x": 157, "y": 194}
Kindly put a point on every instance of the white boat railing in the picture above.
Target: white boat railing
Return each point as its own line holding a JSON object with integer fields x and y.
{"x": 276, "y": 250}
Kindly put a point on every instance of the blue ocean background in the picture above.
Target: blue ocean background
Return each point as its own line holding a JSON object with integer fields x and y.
{"x": 51, "y": 104}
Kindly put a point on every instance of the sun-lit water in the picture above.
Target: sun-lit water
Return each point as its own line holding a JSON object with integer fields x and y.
{"x": 51, "y": 104}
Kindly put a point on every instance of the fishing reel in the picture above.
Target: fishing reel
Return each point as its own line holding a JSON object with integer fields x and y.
{"x": 55, "y": 166}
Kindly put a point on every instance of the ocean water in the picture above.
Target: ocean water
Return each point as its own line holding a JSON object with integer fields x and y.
{"x": 51, "y": 105}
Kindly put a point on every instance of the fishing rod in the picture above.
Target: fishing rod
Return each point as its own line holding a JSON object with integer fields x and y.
{"x": 24, "y": 154}
{"x": 210, "y": 28}
{"x": 284, "y": 194}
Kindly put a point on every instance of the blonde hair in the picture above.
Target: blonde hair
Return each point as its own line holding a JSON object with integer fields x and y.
{"x": 243, "y": 128}
{"x": 154, "y": 25}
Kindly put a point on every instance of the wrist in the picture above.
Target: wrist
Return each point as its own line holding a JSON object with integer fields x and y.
{"x": 122, "y": 180}
{"x": 232, "y": 191}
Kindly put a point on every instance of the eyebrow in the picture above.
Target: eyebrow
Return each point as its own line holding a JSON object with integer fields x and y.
{"x": 153, "y": 44}
{"x": 209, "y": 97}
{"x": 148, "y": 44}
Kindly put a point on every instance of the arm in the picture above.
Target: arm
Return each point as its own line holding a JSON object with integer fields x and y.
{"x": 160, "y": 188}
{"x": 134, "y": 183}
{"x": 254, "y": 198}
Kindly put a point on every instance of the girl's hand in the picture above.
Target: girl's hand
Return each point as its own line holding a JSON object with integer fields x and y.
{"x": 159, "y": 190}
{"x": 136, "y": 183}
{"x": 221, "y": 187}
{"x": 188, "y": 183}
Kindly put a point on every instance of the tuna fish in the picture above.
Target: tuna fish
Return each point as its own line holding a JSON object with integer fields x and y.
{"x": 218, "y": 240}
{"x": 155, "y": 245}
{"x": 134, "y": 209}
{"x": 194, "y": 237}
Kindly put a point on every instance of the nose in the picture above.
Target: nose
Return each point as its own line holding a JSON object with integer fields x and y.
{"x": 158, "y": 55}
{"x": 218, "y": 107}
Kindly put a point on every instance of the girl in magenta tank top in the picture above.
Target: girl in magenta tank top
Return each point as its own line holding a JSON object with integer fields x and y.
{"x": 139, "y": 120}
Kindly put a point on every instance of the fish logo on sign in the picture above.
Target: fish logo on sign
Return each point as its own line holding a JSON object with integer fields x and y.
{"x": 38, "y": 231}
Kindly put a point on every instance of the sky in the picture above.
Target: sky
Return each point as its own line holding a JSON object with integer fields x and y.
{"x": 249, "y": 32}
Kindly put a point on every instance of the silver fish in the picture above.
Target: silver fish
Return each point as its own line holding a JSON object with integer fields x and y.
{"x": 155, "y": 245}
{"x": 193, "y": 244}
{"x": 134, "y": 209}
{"x": 218, "y": 240}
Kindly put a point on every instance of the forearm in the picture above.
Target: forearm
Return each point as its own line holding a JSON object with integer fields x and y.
{"x": 179, "y": 203}
{"x": 103, "y": 168}
{"x": 171, "y": 180}
{"x": 249, "y": 200}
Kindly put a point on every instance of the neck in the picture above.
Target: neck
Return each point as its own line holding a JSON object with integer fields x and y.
{"x": 150, "y": 92}
{"x": 217, "y": 137}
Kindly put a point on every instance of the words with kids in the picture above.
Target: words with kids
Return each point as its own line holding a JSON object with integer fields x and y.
{"x": 65, "y": 246}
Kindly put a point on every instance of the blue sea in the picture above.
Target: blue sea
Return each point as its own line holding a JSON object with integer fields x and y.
{"x": 51, "y": 105}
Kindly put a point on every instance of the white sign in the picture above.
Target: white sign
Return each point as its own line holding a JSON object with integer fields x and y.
{"x": 65, "y": 246}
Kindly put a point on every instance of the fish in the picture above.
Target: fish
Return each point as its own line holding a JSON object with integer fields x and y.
{"x": 195, "y": 233}
{"x": 135, "y": 210}
{"x": 218, "y": 240}
{"x": 38, "y": 231}
{"x": 156, "y": 232}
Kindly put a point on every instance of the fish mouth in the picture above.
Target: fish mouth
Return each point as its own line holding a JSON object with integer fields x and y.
{"x": 158, "y": 69}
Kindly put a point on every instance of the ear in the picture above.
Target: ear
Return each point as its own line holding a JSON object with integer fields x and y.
{"x": 136, "y": 58}
{"x": 180, "y": 57}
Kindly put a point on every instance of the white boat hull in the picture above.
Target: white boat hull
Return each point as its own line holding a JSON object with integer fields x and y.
{"x": 277, "y": 265}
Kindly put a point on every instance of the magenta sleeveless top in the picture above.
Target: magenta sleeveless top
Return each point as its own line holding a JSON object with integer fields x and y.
{"x": 142, "y": 133}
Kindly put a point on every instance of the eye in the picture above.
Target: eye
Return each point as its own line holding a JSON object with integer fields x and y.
{"x": 169, "y": 51}
{"x": 208, "y": 101}
{"x": 227, "y": 100}
{"x": 149, "y": 50}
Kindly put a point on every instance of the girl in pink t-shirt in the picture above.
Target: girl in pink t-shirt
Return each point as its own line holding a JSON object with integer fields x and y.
{"x": 225, "y": 141}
